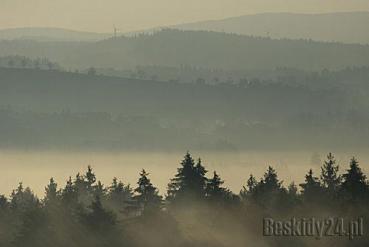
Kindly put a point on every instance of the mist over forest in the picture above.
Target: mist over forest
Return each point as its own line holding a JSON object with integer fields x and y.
{"x": 267, "y": 85}
{"x": 50, "y": 108}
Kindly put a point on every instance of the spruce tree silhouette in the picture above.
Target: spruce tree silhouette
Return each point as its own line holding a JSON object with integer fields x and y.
{"x": 120, "y": 197}
{"x": 98, "y": 218}
{"x": 311, "y": 189}
{"x": 147, "y": 196}
{"x": 90, "y": 178}
{"x": 118, "y": 192}
{"x": 214, "y": 190}
{"x": 189, "y": 182}
{"x": 329, "y": 176}
{"x": 248, "y": 190}
{"x": 354, "y": 186}
{"x": 23, "y": 199}
{"x": 69, "y": 195}
{"x": 99, "y": 190}
{"x": 269, "y": 193}
{"x": 51, "y": 193}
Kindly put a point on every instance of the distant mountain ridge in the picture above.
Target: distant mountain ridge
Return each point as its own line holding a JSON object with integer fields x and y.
{"x": 345, "y": 27}
{"x": 50, "y": 34}
{"x": 195, "y": 48}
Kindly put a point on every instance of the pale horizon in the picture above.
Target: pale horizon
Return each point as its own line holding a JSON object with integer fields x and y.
{"x": 95, "y": 16}
{"x": 174, "y": 24}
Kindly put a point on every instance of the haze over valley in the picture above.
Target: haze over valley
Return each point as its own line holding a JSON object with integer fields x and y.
{"x": 183, "y": 123}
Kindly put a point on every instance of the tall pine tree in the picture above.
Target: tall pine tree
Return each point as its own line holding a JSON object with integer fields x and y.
{"x": 51, "y": 193}
{"x": 147, "y": 195}
{"x": 311, "y": 188}
{"x": 330, "y": 177}
{"x": 189, "y": 182}
{"x": 214, "y": 190}
{"x": 354, "y": 186}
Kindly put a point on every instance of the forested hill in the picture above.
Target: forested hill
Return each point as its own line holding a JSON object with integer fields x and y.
{"x": 196, "y": 48}
{"x": 53, "y": 109}
{"x": 346, "y": 27}
{"x": 49, "y": 91}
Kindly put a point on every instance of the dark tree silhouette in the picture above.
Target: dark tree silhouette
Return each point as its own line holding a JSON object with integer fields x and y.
{"x": 120, "y": 195}
{"x": 354, "y": 187}
{"x": 189, "y": 182}
{"x": 99, "y": 190}
{"x": 268, "y": 193}
{"x": 85, "y": 213}
{"x": 249, "y": 189}
{"x": 90, "y": 177}
{"x": 330, "y": 178}
{"x": 214, "y": 190}
{"x": 98, "y": 218}
{"x": 69, "y": 194}
{"x": 311, "y": 189}
{"x": 23, "y": 199}
{"x": 51, "y": 193}
{"x": 147, "y": 196}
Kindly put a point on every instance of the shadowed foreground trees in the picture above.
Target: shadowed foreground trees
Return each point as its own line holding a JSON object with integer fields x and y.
{"x": 198, "y": 210}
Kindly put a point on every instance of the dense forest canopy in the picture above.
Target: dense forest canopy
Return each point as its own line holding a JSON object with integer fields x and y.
{"x": 170, "y": 47}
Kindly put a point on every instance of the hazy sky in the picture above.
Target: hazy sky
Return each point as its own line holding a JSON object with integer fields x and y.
{"x": 101, "y": 15}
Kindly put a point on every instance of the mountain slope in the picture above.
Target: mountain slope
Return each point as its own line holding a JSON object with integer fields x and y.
{"x": 195, "y": 48}
{"x": 350, "y": 27}
{"x": 54, "y": 109}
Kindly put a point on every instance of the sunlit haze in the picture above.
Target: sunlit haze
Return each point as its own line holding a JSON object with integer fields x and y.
{"x": 101, "y": 16}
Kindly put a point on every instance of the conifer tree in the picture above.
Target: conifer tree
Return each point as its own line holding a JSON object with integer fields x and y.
{"x": 23, "y": 199}
{"x": 90, "y": 177}
{"x": 292, "y": 197}
{"x": 98, "y": 218}
{"x": 200, "y": 181}
{"x": 51, "y": 192}
{"x": 147, "y": 195}
{"x": 330, "y": 178}
{"x": 69, "y": 194}
{"x": 247, "y": 190}
{"x": 270, "y": 181}
{"x": 119, "y": 194}
{"x": 189, "y": 182}
{"x": 269, "y": 192}
{"x": 354, "y": 186}
{"x": 311, "y": 189}
{"x": 214, "y": 190}
{"x": 99, "y": 190}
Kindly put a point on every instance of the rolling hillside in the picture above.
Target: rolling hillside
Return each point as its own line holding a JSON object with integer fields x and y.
{"x": 350, "y": 27}
{"x": 53, "y": 109}
{"x": 196, "y": 48}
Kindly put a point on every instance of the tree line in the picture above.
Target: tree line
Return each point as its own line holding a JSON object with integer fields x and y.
{"x": 85, "y": 206}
